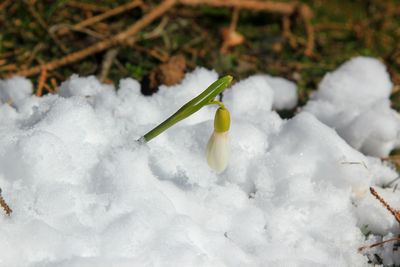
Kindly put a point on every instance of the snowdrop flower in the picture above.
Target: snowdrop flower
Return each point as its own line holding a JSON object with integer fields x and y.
{"x": 205, "y": 98}
{"x": 218, "y": 147}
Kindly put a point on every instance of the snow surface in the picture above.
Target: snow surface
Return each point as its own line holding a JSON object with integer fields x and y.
{"x": 85, "y": 193}
{"x": 354, "y": 100}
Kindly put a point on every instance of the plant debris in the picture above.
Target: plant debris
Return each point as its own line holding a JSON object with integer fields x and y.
{"x": 4, "y": 205}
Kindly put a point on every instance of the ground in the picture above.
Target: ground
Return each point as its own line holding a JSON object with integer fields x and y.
{"x": 343, "y": 29}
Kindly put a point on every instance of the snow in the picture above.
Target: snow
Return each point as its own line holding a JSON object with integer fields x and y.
{"x": 285, "y": 92}
{"x": 354, "y": 100}
{"x": 8, "y": 90}
{"x": 84, "y": 192}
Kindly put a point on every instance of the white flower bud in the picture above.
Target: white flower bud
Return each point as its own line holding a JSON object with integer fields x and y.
{"x": 218, "y": 150}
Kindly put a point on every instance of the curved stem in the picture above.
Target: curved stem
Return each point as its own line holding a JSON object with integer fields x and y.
{"x": 205, "y": 98}
{"x": 216, "y": 102}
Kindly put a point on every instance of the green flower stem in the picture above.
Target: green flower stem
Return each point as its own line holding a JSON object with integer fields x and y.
{"x": 205, "y": 98}
{"x": 216, "y": 102}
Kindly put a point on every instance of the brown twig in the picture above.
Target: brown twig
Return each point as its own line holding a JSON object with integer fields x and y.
{"x": 230, "y": 36}
{"x": 234, "y": 19}
{"x": 257, "y": 5}
{"x": 53, "y": 82}
{"x": 4, "y": 205}
{"x": 306, "y": 15}
{"x": 41, "y": 81}
{"x": 65, "y": 27}
{"x": 394, "y": 212}
{"x": 108, "y": 60}
{"x": 33, "y": 54}
{"x": 378, "y": 244}
{"x": 105, "y": 44}
{"x": 109, "y": 13}
{"x": 86, "y": 6}
{"x": 48, "y": 88}
{"x": 157, "y": 31}
{"x": 9, "y": 67}
{"x": 287, "y": 33}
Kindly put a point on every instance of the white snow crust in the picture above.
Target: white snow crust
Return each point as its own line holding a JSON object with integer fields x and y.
{"x": 354, "y": 100}
{"x": 84, "y": 192}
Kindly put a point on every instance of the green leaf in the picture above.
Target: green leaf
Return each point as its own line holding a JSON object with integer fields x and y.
{"x": 191, "y": 107}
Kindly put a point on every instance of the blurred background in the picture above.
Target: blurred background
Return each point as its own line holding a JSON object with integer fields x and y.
{"x": 157, "y": 41}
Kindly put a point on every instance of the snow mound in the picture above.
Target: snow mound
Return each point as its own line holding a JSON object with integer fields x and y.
{"x": 285, "y": 92}
{"x": 85, "y": 193}
{"x": 354, "y": 100}
{"x": 9, "y": 93}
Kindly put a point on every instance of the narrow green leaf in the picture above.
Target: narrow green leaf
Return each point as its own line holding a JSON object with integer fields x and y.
{"x": 191, "y": 107}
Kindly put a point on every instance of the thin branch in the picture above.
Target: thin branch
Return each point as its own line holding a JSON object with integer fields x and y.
{"x": 33, "y": 54}
{"x": 230, "y": 36}
{"x": 53, "y": 82}
{"x": 234, "y": 19}
{"x": 108, "y": 60}
{"x": 306, "y": 15}
{"x": 257, "y": 5}
{"x": 394, "y": 212}
{"x": 378, "y": 244}
{"x": 391, "y": 182}
{"x": 48, "y": 88}
{"x": 86, "y": 6}
{"x": 157, "y": 31}
{"x": 61, "y": 27}
{"x": 109, "y": 13}
{"x": 287, "y": 33}
{"x": 4, "y": 205}
{"x": 9, "y": 67}
{"x": 41, "y": 82}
